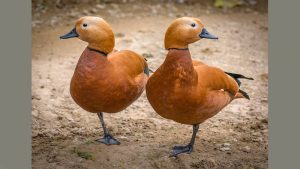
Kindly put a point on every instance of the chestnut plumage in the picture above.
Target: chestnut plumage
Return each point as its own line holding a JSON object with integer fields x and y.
{"x": 185, "y": 90}
{"x": 105, "y": 80}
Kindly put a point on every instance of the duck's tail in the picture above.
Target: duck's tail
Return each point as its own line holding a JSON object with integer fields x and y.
{"x": 237, "y": 77}
{"x": 242, "y": 94}
{"x": 147, "y": 70}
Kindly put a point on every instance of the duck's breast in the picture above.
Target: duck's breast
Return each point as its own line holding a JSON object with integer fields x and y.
{"x": 96, "y": 86}
{"x": 172, "y": 89}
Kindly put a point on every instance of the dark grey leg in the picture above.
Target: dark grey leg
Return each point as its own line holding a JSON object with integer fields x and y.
{"x": 107, "y": 139}
{"x": 188, "y": 148}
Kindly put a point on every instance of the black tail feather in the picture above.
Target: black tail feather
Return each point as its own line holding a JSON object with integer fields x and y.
{"x": 244, "y": 94}
{"x": 236, "y": 77}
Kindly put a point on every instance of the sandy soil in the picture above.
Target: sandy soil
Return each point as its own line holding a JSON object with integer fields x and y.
{"x": 63, "y": 134}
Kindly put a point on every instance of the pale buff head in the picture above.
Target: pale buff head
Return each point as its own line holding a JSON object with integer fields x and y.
{"x": 184, "y": 31}
{"x": 94, "y": 30}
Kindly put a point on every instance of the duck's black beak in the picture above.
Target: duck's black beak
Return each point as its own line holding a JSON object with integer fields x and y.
{"x": 71, "y": 34}
{"x": 205, "y": 34}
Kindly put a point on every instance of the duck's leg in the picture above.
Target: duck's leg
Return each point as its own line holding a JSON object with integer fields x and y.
{"x": 188, "y": 148}
{"x": 107, "y": 139}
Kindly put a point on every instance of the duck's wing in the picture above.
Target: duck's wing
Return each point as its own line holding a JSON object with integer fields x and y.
{"x": 237, "y": 77}
{"x": 129, "y": 62}
{"x": 215, "y": 79}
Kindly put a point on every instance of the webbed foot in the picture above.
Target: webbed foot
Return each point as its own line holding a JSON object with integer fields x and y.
{"x": 108, "y": 140}
{"x": 181, "y": 149}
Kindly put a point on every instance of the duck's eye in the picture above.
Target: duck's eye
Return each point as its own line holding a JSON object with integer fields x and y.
{"x": 193, "y": 24}
{"x": 84, "y": 25}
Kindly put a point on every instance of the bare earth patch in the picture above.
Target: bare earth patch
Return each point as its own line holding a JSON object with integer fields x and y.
{"x": 63, "y": 134}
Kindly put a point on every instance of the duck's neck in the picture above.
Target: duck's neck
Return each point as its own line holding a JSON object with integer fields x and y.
{"x": 98, "y": 51}
{"x": 105, "y": 45}
{"x": 92, "y": 58}
{"x": 93, "y": 64}
{"x": 179, "y": 62}
{"x": 179, "y": 58}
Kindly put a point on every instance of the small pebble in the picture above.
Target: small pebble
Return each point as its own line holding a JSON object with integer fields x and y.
{"x": 100, "y": 6}
{"x": 248, "y": 10}
{"x": 36, "y": 97}
{"x": 257, "y": 139}
{"x": 147, "y": 55}
{"x": 124, "y": 138}
{"x": 35, "y": 113}
{"x": 246, "y": 149}
{"x": 225, "y": 149}
{"x": 256, "y": 134}
{"x": 119, "y": 35}
{"x": 93, "y": 11}
{"x": 226, "y": 144}
{"x": 85, "y": 12}
{"x": 60, "y": 167}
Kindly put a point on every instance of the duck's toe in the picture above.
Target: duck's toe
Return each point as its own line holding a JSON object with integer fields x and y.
{"x": 109, "y": 140}
{"x": 181, "y": 149}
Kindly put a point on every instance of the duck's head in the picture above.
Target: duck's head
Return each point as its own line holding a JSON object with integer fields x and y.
{"x": 94, "y": 30}
{"x": 184, "y": 31}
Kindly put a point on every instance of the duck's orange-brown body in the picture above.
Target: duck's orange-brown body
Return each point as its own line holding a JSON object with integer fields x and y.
{"x": 108, "y": 83}
{"x": 188, "y": 91}
{"x": 105, "y": 80}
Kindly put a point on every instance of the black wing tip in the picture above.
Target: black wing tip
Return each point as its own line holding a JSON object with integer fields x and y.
{"x": 238, "y": 82}
{"x": 249, "y": 78}
{"x": 239, "y": 76}
{"x": 146, "y": 71}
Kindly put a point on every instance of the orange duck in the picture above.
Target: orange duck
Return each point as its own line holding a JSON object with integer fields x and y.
{"x": 189, "y": 91}
{"x": 105, "y": 80}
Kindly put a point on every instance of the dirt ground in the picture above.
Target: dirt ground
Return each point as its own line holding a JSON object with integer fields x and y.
{"x": 63, "y": 134}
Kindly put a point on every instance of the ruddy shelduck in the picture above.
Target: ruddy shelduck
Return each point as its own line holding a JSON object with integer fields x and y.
{"x": 189, "y": 91}
{"x": 105, "y": 80}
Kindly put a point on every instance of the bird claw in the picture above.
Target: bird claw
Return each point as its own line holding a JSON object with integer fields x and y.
{"x": 108, "y": 140}
{"x": 181, "y": 149}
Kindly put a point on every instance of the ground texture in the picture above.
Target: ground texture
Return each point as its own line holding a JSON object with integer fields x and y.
{"x": 63, "y": 134}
